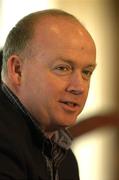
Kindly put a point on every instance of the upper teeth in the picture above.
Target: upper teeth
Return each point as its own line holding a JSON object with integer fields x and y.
{"x": 70, "y": 103}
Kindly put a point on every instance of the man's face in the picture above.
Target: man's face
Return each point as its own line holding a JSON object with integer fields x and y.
{"x": 56, "y": 78}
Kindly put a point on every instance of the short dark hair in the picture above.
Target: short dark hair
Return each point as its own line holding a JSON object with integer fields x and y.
{"x": 20, "y": 35}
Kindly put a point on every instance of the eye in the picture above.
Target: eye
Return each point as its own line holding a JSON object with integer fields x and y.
{"x": 87, "y": 73}
{"x": 63, "y": 69}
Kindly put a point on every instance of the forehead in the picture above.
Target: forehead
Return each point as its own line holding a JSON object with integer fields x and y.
{"x": 61, "y": 34}
{"x": 63, "y": 30}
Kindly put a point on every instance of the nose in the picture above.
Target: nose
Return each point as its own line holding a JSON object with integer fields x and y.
{"x": 76, "y": 84}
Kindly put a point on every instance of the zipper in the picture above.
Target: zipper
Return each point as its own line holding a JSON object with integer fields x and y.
{"x": 52, "y": 171}
{"x": 56, "y": 175}
{"x": 50, "y": 168}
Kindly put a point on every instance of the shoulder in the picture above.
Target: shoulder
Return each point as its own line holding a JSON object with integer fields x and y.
{"x": 13, "y": 127}
{"x": 71, "y": 157}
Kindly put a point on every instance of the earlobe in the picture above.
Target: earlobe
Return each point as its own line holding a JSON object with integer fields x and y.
{"x": 14, "y": 65}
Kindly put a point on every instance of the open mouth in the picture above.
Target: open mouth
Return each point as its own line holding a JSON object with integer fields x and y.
{"x": 70, "y": 104}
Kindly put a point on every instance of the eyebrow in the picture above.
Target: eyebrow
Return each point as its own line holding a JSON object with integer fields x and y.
{"x": 66, "y": 60}
{"x": 92, "y": 66}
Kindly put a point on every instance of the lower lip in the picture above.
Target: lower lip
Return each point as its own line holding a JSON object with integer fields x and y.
{"x": 69, "y": 108}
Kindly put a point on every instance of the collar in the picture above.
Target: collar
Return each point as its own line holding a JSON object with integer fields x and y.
{"x": 63, "y": 138}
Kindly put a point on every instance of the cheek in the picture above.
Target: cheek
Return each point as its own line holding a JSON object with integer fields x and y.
{"x": 87, "y": 88}
{"x": 54, "y": 84}
{"x": 86, "y": 91}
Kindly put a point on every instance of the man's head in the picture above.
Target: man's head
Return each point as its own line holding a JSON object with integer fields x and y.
{"x": 48, "y": 61}
{"x": 20, "y": 35}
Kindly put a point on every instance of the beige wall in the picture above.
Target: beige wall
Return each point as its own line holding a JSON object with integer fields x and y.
{"x": 97, "y": 154}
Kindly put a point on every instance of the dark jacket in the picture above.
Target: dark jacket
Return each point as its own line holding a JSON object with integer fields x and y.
{"x": 24, "y": 151}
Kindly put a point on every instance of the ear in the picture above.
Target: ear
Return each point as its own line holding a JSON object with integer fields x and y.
{"x": 14, "y": 69}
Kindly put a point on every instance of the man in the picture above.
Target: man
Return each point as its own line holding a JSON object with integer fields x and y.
{"x": 48, "y": 59}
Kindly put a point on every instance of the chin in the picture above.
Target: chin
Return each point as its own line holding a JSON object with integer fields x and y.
{"x": 68, "y": 124}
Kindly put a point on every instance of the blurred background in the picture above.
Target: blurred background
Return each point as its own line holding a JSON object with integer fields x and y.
{"x": 96, "y": 150}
